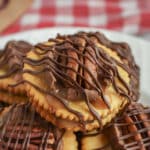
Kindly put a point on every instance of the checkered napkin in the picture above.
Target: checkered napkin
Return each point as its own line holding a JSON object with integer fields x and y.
{"x": 131, "y": 16}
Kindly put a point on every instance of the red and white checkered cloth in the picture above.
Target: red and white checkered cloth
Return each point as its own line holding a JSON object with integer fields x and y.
{"x": 131, "y": 16}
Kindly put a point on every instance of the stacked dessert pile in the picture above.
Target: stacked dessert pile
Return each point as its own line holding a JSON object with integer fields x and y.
{"x": 71, "y": 92}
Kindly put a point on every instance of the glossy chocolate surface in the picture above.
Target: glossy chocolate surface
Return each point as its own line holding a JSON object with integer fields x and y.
{"x": 131, "y": 131}
{"x": 11, "y": 58}
{"x": 22, "y": 129}
{"x": 74, "y": 68}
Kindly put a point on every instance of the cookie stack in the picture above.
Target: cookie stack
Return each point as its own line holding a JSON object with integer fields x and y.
{"x": 72, "y": 92}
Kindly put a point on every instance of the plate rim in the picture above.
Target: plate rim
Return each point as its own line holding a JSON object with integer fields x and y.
{"x": 134, "y": 37}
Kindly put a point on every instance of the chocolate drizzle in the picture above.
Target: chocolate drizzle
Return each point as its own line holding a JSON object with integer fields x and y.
{"x": 76, "y": 62}
{"x": 24, "y": 129}
{"x": 131, "y": 131}
{"x": 12, "y": 57}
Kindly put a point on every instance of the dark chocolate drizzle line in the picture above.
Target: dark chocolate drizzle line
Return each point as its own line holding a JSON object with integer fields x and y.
{"x": 2, "y": 132}
{"x": 14, "y": 124}
{"x": 57, "y": 145}
{"x": 26, "y": 142}
{"x": 95, "y": 55}
{"x": 12, "y": 57}
{"x": 127, "y": 137}
{"x": 123, "y": 50}
{"x": 63, "y": 101}
{"x": 22, "y": 125}
{"x": 24, "y": 129}
{"x": 44, "y": 139}
{"x": 9, "y": 73}
{"x": 109, "y": 62}
{"x": 91, "y": 108}
{"x": 104, "y": 56}
{"x": 40, "y": 62}
{"x": 5, "y": 59}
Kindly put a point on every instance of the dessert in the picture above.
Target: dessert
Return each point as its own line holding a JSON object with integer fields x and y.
{"x": 131, "y": 131}
{"x": 11, "y": 98}
{"x": 94, "y": 140}
{"x": 11, "y": 64}
{"x": 81, "y": 78}
{"x": 72, "y": 92}
{"x": 68, "y": 124}
{"x": 21, "y": 128}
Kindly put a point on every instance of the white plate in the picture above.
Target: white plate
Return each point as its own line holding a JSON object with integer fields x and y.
{"x": 140, "y": 48}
